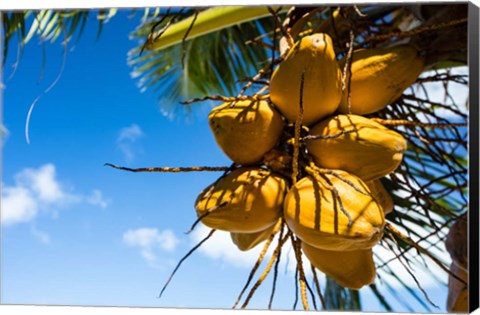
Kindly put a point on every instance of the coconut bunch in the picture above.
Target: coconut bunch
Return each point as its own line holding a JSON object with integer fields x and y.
{"x": 311, "y": 155}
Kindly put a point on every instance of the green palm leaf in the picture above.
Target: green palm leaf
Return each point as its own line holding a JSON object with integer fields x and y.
{"x": 48, "y": 25}
{"x": 215, "y": 63}
{"x": 208, "y": 21}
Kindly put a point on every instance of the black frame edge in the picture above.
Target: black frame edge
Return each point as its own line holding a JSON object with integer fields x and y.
{"x": 474, "y": 135}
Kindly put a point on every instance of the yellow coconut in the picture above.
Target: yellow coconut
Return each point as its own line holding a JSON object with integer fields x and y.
{"x": 313, "y": 212}
{"x": 247, "y": 241}
{"x": 322, "y": 90}
{"x": 381, "y": 194}
{"x": 246, "y": 131}
{"x": 366, "y": 148}
{"x": 248, "y": 200}
{"x": 379, "y": 76}
{"x": 350, "y": 269}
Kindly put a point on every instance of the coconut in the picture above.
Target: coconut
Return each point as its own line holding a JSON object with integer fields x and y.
{"x": 350, "y": 269}
{"x": 315, "y": 214}
{"x": 247, "y": 241}
{"x": 357, "y": 145}
{"x": 314, "y": 58}
{"x": 387, "y": 71}
{"x": 248, "y": 200}
{"x": 246, "y": 131}
{"x": 381, "y": 194}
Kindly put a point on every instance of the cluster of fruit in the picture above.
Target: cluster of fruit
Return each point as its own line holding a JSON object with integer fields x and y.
{"x": 307, "y": 156}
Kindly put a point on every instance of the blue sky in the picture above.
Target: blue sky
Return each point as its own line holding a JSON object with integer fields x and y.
{"x": 77, "y": 233}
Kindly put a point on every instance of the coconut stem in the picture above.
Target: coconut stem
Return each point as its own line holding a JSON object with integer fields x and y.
{"x": 416, "y": 31}
{"x": 338, "y": 199}
{"x": 298, "y": 128}
{"x": 317, "y": 286}
{"x": 275, "y": 269}
{"x": 260, "y": 258}
{"x": 267, "y": 270}
{"x": 426, "y": 237}
{"x": 203, "y": 216}
{"x": 183, "y": 259}
{"x": 172, "y": 169}
{"x": 278, "y": 21}
{"x": 347, "y": 71}
{"x": 320, "y": 177}
{"x": 227, "y": 99}
{"x": 184, "y": 39}
{"x": 399, "y": 122}
{"x": 334, "y": 136}
{"x": 314, "y": 168}
{"x": 390, "y": 228}
{"x": 301, "y": 279}
{"x": 390, "y": 235}
{"x": 152, "y": 30}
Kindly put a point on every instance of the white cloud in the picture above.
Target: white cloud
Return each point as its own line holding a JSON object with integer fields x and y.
{"x": 425, "y": 278}
{"x": 436, "y": 93}
{"x": 97, "y": 199}
{"x": 42, "y": 236}
{"x": 42, "y": 183}
{"x": 131, "y": 133}
{"x": 149, "y": 240}
{"x": 18, "y": 205}
{"x": 220, "y": 247}
{"x": 37, "y": 190}
{"x": 126, "y": 138}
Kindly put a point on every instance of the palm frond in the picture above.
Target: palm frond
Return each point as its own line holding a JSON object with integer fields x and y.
{"x": 215, "y": 63}
{"x": 207, "y": 21}
{"x": 339, "y": 298}
{"x": 13, "y": 24}
{"x": 49, "y": 25}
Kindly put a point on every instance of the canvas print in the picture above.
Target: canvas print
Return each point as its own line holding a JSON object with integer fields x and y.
{"x": 279, "y": 157}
